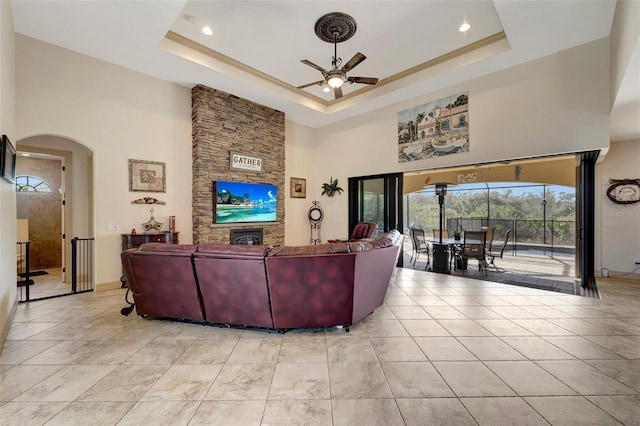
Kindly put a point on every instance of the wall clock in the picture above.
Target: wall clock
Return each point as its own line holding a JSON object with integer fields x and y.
{"x": 316, "y": 214}
{"x": 624, "y": 191}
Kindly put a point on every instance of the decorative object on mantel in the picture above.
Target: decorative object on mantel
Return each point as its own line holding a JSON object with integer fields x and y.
{"x": 624, "y": 191}
{"x": 152, "y": 225}
{"x": 148, "y": 200}
{"x": 146, "y": 176}
{"x": 246, "y": 163}
{"x": 331, "y": 188}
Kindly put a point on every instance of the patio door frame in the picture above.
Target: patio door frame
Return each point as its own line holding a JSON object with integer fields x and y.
{"x": 392, "y": 214}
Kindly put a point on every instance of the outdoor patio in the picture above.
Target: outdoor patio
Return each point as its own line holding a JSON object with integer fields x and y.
{"x": 527, "y": 268}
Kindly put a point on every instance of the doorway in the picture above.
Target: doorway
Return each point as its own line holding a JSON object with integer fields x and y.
{"x": 40, "y": 198}
{"x": 71, "y": 189}
{"x": 377, "y": 199}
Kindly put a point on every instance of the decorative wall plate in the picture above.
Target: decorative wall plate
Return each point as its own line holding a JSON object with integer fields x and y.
{"x": 624, "y": 191}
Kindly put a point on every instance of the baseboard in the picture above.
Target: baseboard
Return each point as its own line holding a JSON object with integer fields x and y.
{"x": 7, "y": 326}
{"x": 619, "y": 274}
{"x": 626, "y": 275}
{"x": 109, "y": 285}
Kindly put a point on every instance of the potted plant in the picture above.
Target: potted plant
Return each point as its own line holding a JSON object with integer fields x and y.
{"x": 331, "y": 188}
{"x": 456, "y": 235}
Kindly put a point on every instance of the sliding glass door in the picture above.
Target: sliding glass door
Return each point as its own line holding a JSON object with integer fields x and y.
{"x": 376, "y": 199}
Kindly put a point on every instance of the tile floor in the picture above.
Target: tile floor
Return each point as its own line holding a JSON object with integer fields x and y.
{"x": 443, "y": 350}
{"x": 527, "y": 268}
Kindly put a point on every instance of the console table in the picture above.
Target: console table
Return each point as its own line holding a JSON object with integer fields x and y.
{"x": 130, "y": 241}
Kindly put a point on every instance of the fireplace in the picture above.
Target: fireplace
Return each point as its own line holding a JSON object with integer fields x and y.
{"x": 246, "y": 236}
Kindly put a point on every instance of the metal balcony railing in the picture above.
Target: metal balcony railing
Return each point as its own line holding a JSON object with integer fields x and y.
{"x": 549, "y": 237}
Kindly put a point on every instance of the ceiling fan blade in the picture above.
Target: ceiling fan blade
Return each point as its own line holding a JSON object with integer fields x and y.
{"x": 311, "y": 84}
{"x": 337, "y": 92}
{"x": 363, "y": 80}
{"x": 357, "y": 58}
{"x": 312, "y": 65}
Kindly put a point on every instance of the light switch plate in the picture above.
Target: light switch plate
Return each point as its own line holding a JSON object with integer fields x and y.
{"x": 111, "y": 226}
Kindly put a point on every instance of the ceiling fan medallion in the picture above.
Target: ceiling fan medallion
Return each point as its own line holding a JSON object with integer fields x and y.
{"x": 335, "y": 28}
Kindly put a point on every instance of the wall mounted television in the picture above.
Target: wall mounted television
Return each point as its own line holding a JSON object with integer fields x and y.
{"x": 244, "y": 202}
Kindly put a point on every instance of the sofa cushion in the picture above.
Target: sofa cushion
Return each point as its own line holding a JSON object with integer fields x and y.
{"x": 231, "y": 251}
{"x": 165, "y": 248}
{"x": 329, "y": 248}
{"x": 357, "y": 246}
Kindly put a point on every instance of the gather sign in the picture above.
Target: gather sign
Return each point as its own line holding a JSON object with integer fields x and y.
{"x": 245, "y": 162}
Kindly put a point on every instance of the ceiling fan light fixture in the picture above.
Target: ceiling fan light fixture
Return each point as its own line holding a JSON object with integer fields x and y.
{"x": 335, "y": 81}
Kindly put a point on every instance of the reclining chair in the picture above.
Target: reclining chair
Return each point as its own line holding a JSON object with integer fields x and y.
{"x": 364, "y": 230}
{"x": 360, "y": 231}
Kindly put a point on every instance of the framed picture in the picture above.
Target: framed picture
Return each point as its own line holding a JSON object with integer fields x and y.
{"x": 8, "y": 160}
{"x": 298, "y": 188}
{"x": 147, "y": 176}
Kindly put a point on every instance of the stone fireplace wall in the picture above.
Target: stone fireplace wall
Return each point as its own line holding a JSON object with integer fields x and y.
{"x": 224, "y": 123}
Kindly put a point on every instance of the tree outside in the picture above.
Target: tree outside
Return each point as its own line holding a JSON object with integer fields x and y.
{"x": 543, "y": 214}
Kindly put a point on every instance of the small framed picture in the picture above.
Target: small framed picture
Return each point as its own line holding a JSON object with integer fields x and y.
{"x": 298, "y": 188}
{"x": 8, "y": 160}
{"x": 146, "y": 176}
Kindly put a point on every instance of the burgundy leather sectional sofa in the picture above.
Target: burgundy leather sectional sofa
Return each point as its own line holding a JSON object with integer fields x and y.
{"x": 282, "y": 287}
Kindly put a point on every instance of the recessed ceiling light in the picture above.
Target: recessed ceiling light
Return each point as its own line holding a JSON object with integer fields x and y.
{"x": 206, "y": 30}
{"x": 325, "y": 88}
{"x": 464, "y": 27}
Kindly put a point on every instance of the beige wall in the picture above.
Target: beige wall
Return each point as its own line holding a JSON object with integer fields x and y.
{"x": 625, "y": 32}
{"x": 7, "y": 192}
{"x": 557, "y": 104}
{"x": 119, "y": 115}
{"x": 299, "y": 154}
{"x": 619, "y": 224}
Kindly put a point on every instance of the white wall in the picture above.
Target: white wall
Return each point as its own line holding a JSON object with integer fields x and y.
{"x": 557, "y": 104}
{"x": 8, "y": 290}
{"x": 119, "y": 115}
{"x": 299, "y": 160}
{"x": 620, "y": 223}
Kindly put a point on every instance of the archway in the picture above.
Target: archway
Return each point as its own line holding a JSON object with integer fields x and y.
{"x": 51, "y": 220}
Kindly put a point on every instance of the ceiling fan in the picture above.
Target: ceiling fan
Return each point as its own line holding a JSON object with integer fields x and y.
{"x": 334, "y": 28}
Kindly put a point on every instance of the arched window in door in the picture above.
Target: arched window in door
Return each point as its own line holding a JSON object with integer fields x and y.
{"x": 31, "y": 184}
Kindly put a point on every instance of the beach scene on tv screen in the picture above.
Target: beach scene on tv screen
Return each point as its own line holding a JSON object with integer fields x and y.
{"x": 245, "y": 202}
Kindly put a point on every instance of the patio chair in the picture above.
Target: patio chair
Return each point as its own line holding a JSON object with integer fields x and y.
{"x": 498, "y": 253}
{"x": 420, "y": 244}
{"x": 413, "y": 242}
{"x": 474, "y": 247}
{"x": 490, "y": 230}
